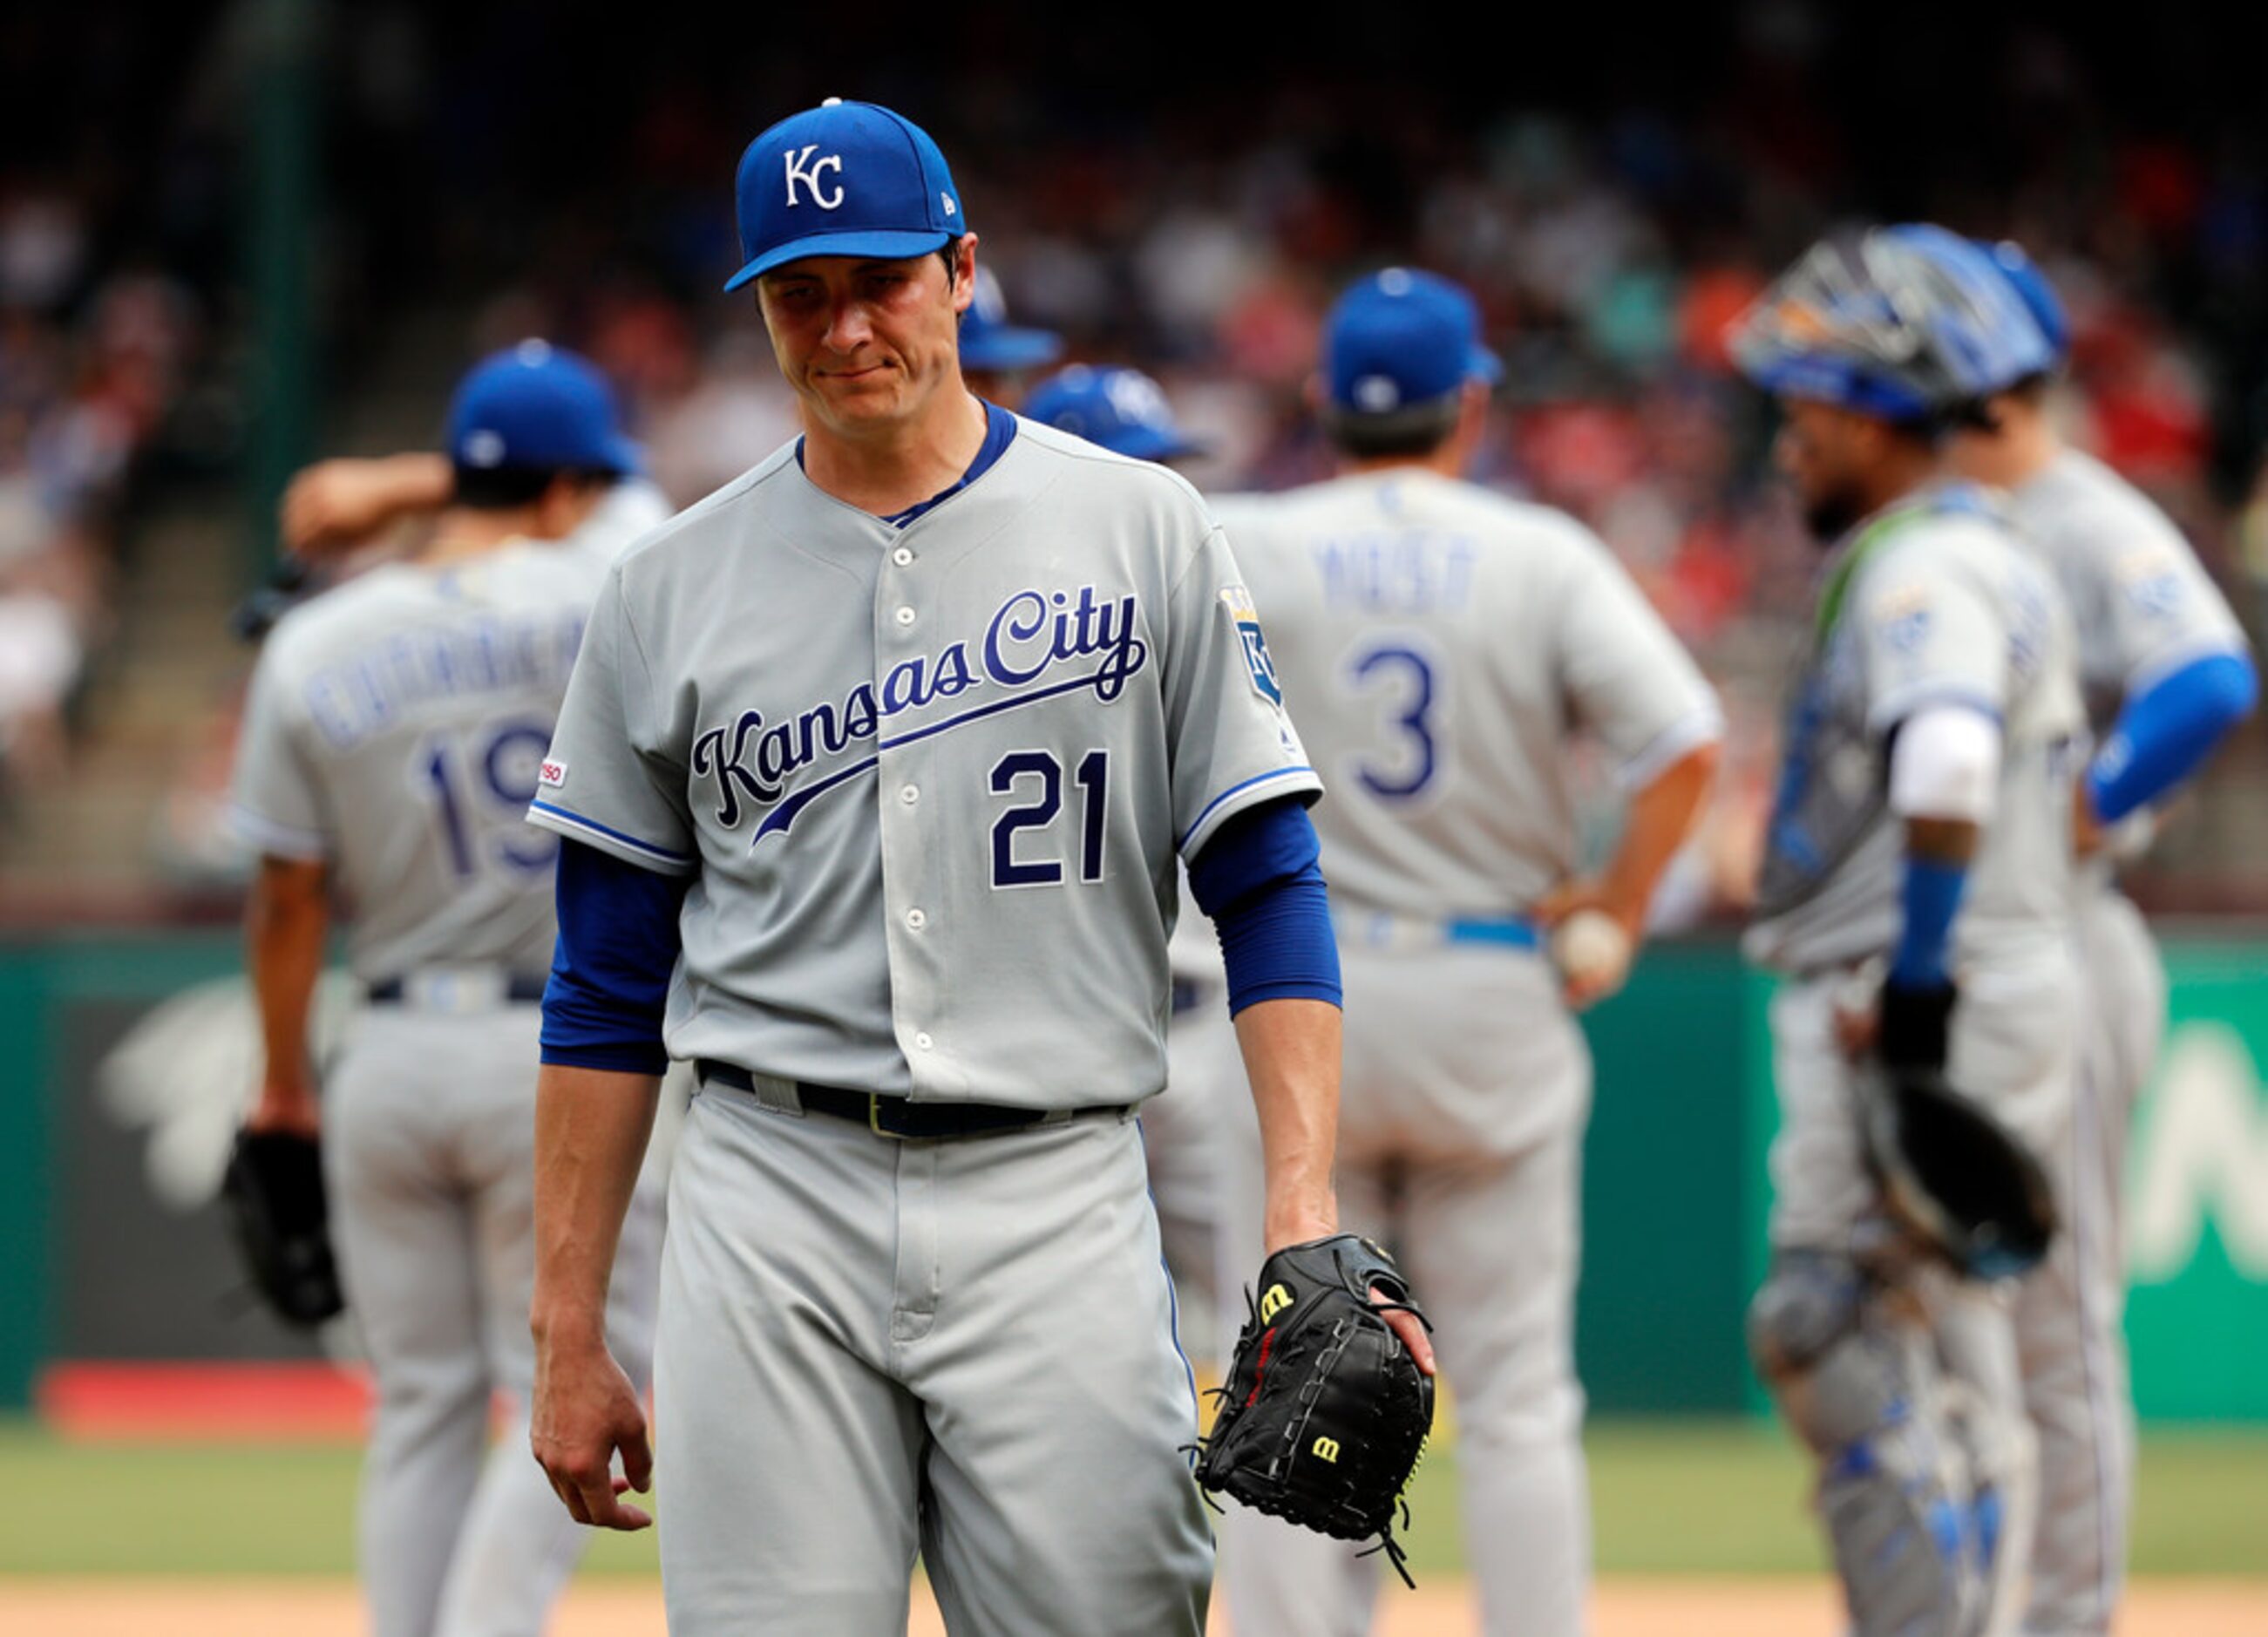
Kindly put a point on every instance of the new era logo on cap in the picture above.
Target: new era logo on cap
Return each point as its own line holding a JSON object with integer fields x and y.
{"x": 842, "y": 178}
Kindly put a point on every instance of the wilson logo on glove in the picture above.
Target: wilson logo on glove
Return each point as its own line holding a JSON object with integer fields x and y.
{"x": 1324, "y": 1414}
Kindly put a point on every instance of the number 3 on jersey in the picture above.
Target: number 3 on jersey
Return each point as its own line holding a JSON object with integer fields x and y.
{"x": 1402, "y": 672}
{"x": 1037, "y": 777}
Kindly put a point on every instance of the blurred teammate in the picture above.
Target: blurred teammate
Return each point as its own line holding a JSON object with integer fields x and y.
{"x": 340, "y": 504}
{"x": 2165, "y": 675}
{"x": 1126, "y": 412}
{"x": 1435, "y": 643}
{"x": 390, "y": 742}
{"x": 1923, "y": 818}
{"x": 996, "y": 356}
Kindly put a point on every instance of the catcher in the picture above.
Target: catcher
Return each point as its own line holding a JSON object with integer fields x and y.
{"x": 1916, "y": 891}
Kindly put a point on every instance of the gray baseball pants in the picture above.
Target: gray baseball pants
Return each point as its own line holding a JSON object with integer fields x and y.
{"x": 1466, "y": 1089}
{"x": 429, "y": 1149}
{"x": 2013, "y": 1049}
{"x": 871, "y": 1348}
{"x": 2068, "y": 1316}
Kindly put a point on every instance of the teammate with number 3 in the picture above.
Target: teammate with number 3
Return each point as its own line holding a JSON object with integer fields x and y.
{"x": 395, "y": 734}
{"x": 1435, "y": 642}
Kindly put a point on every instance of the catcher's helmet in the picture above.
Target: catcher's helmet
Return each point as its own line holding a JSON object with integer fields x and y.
{"x": 1911, "y": 324}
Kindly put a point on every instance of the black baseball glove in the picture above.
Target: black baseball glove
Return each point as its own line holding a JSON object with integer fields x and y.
{"x": 274, "y": 1192}
{"x": 1324, "y": 1413}
{"x": 1951, "y": 1174}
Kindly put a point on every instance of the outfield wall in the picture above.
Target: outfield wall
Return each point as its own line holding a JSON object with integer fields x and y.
{"x": 121, "y": 1061}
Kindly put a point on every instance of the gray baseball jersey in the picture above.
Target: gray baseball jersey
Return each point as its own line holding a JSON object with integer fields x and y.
{"x": 946, "y": 768}
{"x": 1442, "y": 641}
{"x": 428, "y": 691}
{"x": 632, "y": 509}
{"x": 2141, "y": 603}
{"x": 1932, "y": 602}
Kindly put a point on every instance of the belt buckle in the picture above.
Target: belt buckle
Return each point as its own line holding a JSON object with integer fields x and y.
{"x": 874, "y": 1118}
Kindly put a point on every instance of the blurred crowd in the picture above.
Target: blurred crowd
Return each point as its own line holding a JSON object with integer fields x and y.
{"x": 104, "y": 338}
{"x": 1192, "y": 212}
{"x": 92, "y": 363}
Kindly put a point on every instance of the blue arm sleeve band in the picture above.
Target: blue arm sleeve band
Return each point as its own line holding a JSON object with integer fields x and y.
{"x": 2164, "y": 733}
{"x": 1261, "y": 879}
{"x": 1931, "y": 897}
{"x": 610, "y": 968}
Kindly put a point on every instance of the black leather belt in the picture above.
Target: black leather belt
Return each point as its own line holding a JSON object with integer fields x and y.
{"x": 392, "y": 990}
{"x": 901, "y": 1116}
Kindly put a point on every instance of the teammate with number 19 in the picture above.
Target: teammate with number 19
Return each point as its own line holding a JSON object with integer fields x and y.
{"x": 392, "y": 738}
{"x": 2166, "y": 675}
{"x": 886, "y": 751}
{"x": 1435, "y": 643}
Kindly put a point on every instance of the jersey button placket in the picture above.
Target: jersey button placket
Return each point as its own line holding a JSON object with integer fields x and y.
{"x": 913, "y": 985}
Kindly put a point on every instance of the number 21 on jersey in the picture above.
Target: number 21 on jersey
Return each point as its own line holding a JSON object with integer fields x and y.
{"x": 1035, "y": 778}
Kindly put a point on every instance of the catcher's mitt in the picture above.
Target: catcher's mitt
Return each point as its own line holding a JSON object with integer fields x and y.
{"x": 274, "y": 1191}
{"x": 1324, "y": 1413}
{"x": 1955, "y": 1176}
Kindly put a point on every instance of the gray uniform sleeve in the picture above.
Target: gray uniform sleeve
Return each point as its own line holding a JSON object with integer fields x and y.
{"x": 2157, "y": 610}
{"x": 606, "y": 781}
{"x": 1229, "y": 742}
{"x": 1628, "y": 680}
{"x": 276, "y": 802}
{"x": 1927, "y": 634}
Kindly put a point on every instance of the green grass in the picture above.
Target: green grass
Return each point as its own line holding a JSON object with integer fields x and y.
{"x": 1668, "y": 1497}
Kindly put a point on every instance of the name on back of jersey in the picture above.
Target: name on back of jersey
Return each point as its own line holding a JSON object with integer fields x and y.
{"x": 1397, "y": 571}
{"x": 374, "y": 687}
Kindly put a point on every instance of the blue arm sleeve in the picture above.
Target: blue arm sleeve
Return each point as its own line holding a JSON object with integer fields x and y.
{"x": 610, "y": 968}
{"x": 1261, "y": 879}
{"x": 1930, "y": 896}
{"x": 2164, "y": 733}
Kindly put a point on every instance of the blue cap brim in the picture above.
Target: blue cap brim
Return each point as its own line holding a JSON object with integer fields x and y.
{"x": 877, "y": 246}
{"x": 1006, "y": 347}
{"x": 626, "y": 457}
{"x": 1484, "y": 365}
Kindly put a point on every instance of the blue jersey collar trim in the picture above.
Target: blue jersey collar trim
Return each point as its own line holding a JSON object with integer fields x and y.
{"x": 999, "y": 432}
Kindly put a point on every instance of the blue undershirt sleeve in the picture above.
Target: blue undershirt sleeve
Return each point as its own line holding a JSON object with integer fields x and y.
{"x": 2164, "y": 733}
{"x": 610, "y": 968}
{"x": 1260, "y": 878}
{"x": 1929, "y": 896}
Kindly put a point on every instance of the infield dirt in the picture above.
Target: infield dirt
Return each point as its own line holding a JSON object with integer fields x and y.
{"x": 1634, "y": 1608}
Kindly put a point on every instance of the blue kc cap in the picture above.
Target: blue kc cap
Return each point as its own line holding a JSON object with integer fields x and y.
{"x": 842, "y": 178}
{"x": 1122, "y": 410}
{"x": 538, "y": 407}
{"x": 989, "y": 342}
{"x": 1401, "y": 338}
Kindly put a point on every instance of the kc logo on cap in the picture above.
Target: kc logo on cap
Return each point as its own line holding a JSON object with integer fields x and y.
{"x": 801, "y": 167}
{"x": 844, "y": 179}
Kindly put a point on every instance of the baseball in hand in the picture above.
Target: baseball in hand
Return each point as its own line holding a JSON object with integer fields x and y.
{"x": 1592, "y": 952}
